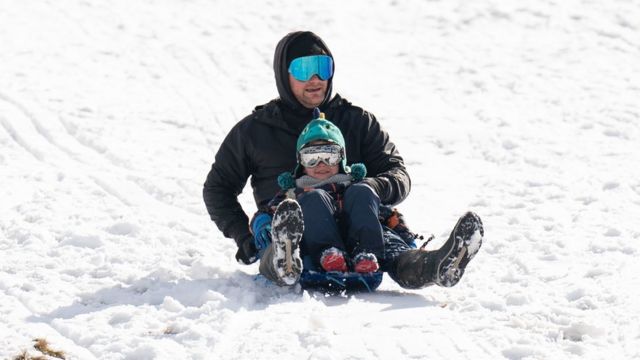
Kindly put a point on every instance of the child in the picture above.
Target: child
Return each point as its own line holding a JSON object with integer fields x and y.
{"x": 342, "y": 231}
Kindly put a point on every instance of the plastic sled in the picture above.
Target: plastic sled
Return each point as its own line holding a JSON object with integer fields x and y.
{"x": 338, "y": 282}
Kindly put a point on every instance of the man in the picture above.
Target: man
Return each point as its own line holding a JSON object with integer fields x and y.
{"x": 263, "y": 145}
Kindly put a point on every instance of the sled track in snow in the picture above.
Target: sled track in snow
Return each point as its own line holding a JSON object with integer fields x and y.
{"x": 40, "y": 133}
{"x": 14, "y": 133}
{"x": 24, "y": 127}
{"x": 37, "y": 125}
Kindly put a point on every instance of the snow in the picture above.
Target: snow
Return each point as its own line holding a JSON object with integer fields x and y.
{"x": 474, "y": 242}
{"x": 524, "y": 112}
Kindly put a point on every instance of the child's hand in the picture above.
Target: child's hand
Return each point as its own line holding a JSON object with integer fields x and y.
{"x": 261, "y": 229}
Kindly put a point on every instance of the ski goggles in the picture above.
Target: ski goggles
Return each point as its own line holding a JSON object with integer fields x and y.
{"x": 313, "y": 155}
{"x": 303, "y": 68}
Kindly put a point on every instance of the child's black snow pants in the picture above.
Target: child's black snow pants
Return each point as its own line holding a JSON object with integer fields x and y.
{"x": 355, "y": 228}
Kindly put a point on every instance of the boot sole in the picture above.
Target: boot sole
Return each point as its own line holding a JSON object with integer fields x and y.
{"x": 462, "y": 246}
{"x": 286, "y": 233}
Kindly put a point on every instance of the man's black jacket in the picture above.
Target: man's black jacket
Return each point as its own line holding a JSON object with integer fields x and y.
{"x": 263, "y": 145}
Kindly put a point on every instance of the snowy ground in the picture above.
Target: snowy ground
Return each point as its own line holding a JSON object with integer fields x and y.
{"x": 525, "y": 112}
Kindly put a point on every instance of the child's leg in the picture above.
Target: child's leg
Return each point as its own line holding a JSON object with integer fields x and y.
{"x": 364, "y": 232}
{"x": 320, "y": 228}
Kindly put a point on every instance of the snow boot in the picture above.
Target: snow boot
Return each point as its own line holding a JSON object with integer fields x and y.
{"x": 463, "y": 244}
{"x": 365, "y": 263}
{"x": 418, "y": 268}
{"x": 332, "y": 259}
{"x": 286, "y": 233}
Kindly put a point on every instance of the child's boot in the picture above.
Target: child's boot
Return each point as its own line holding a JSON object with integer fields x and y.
{"x": 365, "y": 263}
{"x": 333, "y": 259}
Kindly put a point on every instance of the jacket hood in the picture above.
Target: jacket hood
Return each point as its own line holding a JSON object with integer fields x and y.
{"x": 281, "y": 68}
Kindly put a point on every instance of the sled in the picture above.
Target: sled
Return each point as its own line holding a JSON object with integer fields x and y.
{"x": 338, "y": 282}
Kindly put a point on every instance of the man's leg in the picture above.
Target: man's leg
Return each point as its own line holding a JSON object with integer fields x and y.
{"x": 418, "y": 268}
{"x": 281, "y": 261}
{"x": 266, "y": 266}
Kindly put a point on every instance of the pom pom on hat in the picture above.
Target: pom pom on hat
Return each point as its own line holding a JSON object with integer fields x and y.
{"x": 358, "y": 171}
{"x": 286, "y": 181}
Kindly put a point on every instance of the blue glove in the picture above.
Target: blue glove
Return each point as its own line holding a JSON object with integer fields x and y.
{"x": 261, "y": 229}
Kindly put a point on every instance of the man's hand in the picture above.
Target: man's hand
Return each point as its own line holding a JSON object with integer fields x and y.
{"x": 247, "y": 252}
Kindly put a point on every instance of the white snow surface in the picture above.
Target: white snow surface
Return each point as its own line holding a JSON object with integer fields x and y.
{"x": 526, "y": 112}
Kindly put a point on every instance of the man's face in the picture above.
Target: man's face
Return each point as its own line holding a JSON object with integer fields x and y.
{"x": 309, "y": 93}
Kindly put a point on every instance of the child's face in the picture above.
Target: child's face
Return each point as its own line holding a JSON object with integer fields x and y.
{"x": 322, "y": 171}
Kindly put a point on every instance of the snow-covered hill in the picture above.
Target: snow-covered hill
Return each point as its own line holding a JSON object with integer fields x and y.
{"x": 525, "y": 112}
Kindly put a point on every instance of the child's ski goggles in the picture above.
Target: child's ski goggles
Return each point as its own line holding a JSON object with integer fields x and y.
{"x": 313, "y": 155}
{"x": 303, "y": 68}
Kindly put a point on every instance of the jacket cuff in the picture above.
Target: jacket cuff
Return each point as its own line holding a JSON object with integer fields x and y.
{"x": 240, "y": 233}
{"x": 377, "y": 184}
